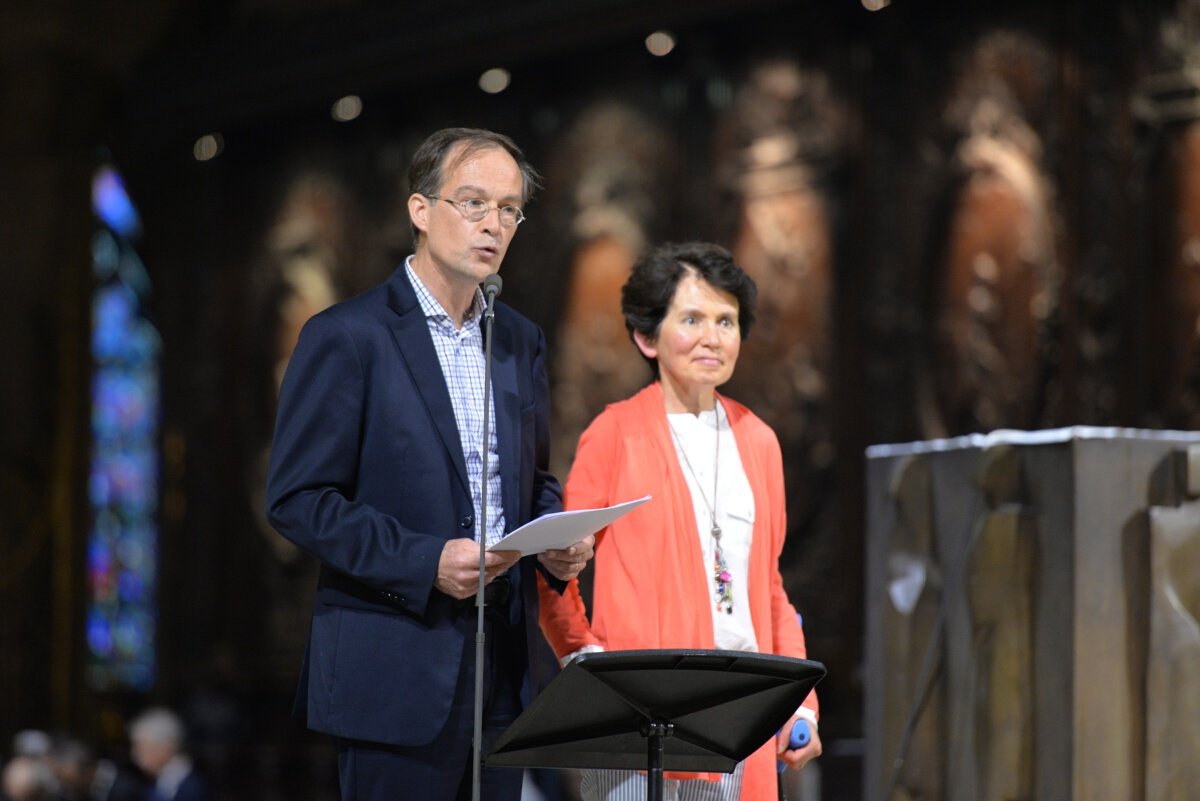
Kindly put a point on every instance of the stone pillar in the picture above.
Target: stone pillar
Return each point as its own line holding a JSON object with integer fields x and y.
{"x": 1045, "y": 670}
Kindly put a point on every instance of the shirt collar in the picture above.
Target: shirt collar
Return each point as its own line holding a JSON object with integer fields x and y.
{"x": 434, "y": 310}
{"x": 172, "y": 775}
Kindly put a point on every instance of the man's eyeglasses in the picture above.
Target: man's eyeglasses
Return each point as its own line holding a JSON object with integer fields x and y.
{"x": 474, "y": 210}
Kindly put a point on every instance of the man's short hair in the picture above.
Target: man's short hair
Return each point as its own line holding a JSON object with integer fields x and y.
{"x": 158, "y": 725}
{"x": 427, "y": 171}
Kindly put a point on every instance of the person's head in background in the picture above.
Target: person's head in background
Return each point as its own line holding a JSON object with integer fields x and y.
{"x": 28, "y": 778}
{"x": 156, "y": 736}
{"x": 31, "y": 742}
{"x": 74, "y": 766}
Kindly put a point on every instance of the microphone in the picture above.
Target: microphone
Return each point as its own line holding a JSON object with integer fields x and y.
{"x": 491, "y": 288}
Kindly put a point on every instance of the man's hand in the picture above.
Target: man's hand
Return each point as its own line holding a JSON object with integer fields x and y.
{"x": 458, "y": 568}
{"x": 797, "y": 757}
{"x": 567, "y": 563}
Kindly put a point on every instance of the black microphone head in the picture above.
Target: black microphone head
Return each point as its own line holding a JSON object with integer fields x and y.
{"x": 492, "y": 285}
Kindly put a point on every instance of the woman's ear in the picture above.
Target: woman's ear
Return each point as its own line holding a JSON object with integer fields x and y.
{"x": 646, "y": 345}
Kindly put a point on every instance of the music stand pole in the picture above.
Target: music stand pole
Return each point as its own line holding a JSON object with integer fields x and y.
{"x": 655, "y": 731}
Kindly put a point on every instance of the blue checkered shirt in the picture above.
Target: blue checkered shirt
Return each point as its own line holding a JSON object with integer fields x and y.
{"x": 460, "y": 352}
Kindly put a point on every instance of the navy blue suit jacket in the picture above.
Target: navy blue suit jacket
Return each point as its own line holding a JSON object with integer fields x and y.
{"x": 192, "y": 788}
{"x": 367, "y": 473}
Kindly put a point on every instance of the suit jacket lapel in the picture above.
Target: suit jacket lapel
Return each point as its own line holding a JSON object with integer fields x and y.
{"x": 415, "y": 343}
{"x": 508, "y": 419}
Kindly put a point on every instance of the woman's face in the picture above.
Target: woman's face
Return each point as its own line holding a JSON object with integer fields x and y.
{"x": 698, "y": 340}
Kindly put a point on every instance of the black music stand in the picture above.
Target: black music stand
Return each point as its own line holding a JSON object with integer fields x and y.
{"x": 692, "y": 710}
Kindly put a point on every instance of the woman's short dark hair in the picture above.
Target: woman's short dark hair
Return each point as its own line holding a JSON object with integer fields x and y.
{"x": 656, "y": 276}
{"x": 428, "y": 168}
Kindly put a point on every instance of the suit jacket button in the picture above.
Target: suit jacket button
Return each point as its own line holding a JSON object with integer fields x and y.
{"x": 467, "y": 521}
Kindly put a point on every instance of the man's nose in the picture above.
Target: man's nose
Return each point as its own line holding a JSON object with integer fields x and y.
{"x": 491, "y": 223}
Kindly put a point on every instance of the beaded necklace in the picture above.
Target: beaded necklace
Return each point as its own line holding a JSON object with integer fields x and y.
{"x": 722, "y": 578}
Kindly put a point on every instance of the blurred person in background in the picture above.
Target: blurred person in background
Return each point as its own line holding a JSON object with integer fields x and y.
{"x": 82, "y": 776}
{"x": 156, "y": 739}
{"x": 31, "y": 742}
{"x": 27, "y": 778}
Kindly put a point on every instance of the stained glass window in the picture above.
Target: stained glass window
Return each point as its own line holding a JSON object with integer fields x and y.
{"x": 123, "y": 478}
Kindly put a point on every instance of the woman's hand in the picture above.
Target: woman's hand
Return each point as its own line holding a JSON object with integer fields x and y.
{"x": 797, "y": 758}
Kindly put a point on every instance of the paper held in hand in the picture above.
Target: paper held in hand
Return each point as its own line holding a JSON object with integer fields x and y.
{"x": 562, "y": 529}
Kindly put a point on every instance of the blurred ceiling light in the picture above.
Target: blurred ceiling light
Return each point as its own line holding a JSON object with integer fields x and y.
{"x": 495, "y": 80}
{"x": 208, "y": 147}
{"x": 347, "y": 108}
{"x": 660, "y": 43}
{"x": 876, "y": 5}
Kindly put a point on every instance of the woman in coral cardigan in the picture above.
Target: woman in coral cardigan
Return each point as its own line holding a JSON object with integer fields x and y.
{"x": 696, "y": 566}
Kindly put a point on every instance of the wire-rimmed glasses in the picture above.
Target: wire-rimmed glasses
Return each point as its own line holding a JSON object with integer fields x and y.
{"x": 475, "y": 209}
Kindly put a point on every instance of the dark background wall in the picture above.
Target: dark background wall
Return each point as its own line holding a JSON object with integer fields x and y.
{"x": 888, "y": 113}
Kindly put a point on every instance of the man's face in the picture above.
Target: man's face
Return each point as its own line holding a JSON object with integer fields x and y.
{"x": 150, "y": 755}
{"x": 465, "y": 252}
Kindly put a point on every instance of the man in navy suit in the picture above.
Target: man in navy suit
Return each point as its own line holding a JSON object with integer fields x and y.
{"x": 156, "y": 738}
{"x": 376, "y": 469}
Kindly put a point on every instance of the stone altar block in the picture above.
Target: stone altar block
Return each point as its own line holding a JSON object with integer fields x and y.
{"x": 1032, "y": 617}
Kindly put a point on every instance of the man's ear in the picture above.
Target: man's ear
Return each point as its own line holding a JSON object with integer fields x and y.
{"x": 646, "y": 345}
{"x": 418, "y": 211}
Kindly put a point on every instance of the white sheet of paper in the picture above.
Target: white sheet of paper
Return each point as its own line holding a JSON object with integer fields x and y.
{"x": 560, "y": 529}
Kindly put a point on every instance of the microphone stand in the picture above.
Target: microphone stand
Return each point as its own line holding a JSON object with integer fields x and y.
{"x": 491, "y": 288}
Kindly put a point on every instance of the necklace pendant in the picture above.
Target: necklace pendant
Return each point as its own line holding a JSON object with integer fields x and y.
{"x": 716, "y": 532}
{"x": 722, "y": 582}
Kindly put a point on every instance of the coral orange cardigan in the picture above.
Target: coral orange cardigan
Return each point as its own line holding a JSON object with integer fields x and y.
{"x": 651, "y": 584}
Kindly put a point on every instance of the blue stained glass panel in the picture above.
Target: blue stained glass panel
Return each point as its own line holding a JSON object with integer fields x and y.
{"x": 123, "y": 479}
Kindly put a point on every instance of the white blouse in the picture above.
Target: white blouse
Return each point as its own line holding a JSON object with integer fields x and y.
{"x": 695, "y": 439}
